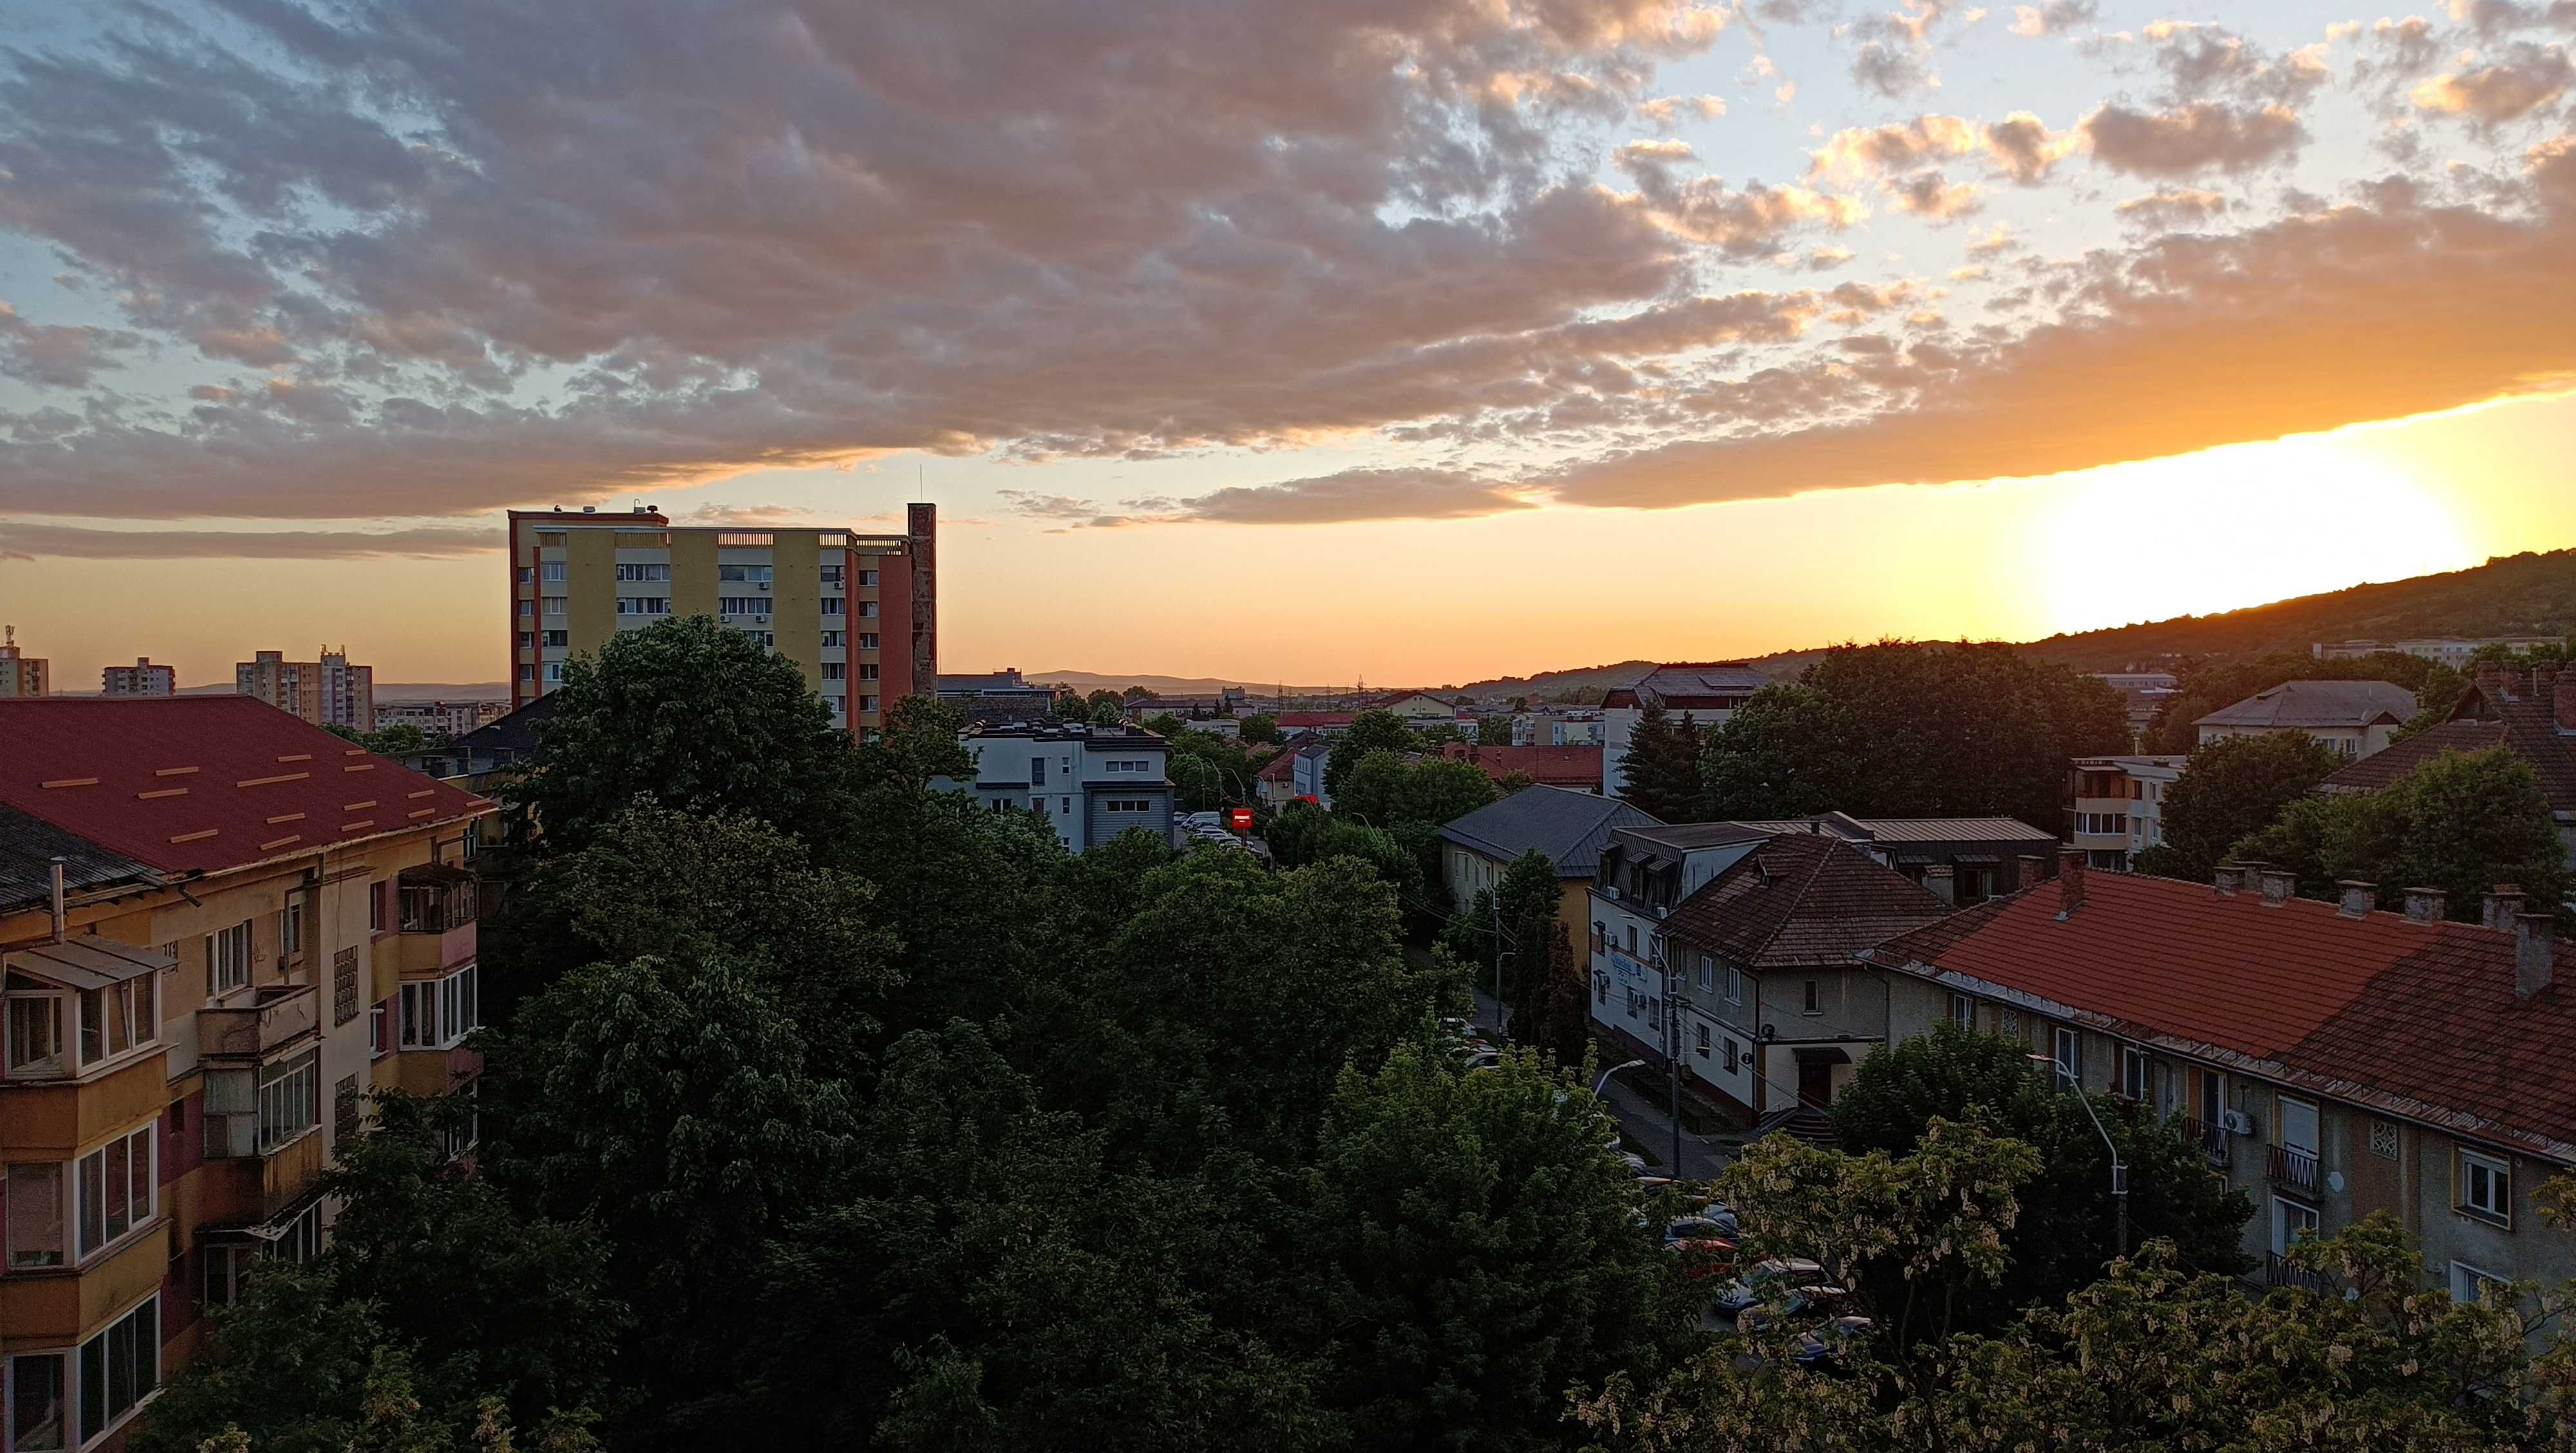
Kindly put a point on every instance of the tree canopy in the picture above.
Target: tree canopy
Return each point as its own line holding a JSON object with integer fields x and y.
{"x": 2229, "y": 789}
{"x": 1371, "y": 731}
{"x": 2464, "y": 822}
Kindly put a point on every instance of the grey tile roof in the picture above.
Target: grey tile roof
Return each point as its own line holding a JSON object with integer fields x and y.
{"x": 28, "y": 846}
{"x": 2317, "y": 704}
{"x": 1569, "y": 826}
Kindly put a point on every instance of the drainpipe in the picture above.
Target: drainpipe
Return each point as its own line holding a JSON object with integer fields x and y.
{"x": 58, "y": 899}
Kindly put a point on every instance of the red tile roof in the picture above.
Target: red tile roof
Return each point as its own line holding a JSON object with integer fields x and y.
{"x": 1293, "y": 720}
{"x": 2516, "y": 710}
{"x": 1555, "y": 766}
{"x": 204, "y": 783}
{"x": 2421, "y": 1019}
{"x": 1801, "y": 900}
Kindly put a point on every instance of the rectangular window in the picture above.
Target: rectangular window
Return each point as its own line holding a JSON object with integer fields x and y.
{"x": 527, "y": 608}
{"x": 117, "y": 1018}
{"x": 1037, "y": 771}
{"x": 867, "y": 673}
{"x": 36, "y": 1411}
{"x": 228, "y": 958}
{"x": 286, "y": 1100}
{"x": 2068, "y": 1047}
{"x": 527, "y": 575}
{"x": 867, "y": 610}
{"x": 832, "y": 638}
{"x": 119, "y": 1366}
{"x": 553, "y": 570}
{"x": 35, "y": 1212}
{"x": 380, "y": 1029}
{"x": 344, "y": 1109}
{"x": 2468, "y": 1284}
{"x": 742, "y": 605}
{"x": 2383, "y": 1139}
{"x": 1702, "y": 1033}
{"x": 554, "y": 673}
{"x": 527, "y": 639}
{"x": 1707, "y": 982}
{"x": 867, "y": 577}
{"x": 643, "y": 572}
{"x": 1813, "y": 1005}
{"x": 835, "y": 604}
{"x": 2133, "y": 1072}
{"x": 226, "y": 1264}
{"x": 527, "y": 673}
{"x": 1734, "y": 985}
{"x": 1734, "y": 1057}
{"x": 231, "y": 1114}
{"x": 559, "y": 638}
{"x": 2486, "y": 1188}
{"x": 832, "y": 575}
{"x": 558, "y": 605}
{"x": 867, "y": 640}
{"x": 115, "y": 1189}
{"x": 867, "y": 703}
{"x": 344, "y": 986}
{"x": 376, "y": 907}
{"x": 290, "y": 930}
{"x": 835, "y": 671}
{"x": 1600, "y": 988}
{"x": 1963, "y": 1011}
{"x": 744, "y": 574}
{"x": 437, "y": 1013}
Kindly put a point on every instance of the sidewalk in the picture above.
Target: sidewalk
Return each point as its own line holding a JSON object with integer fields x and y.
{"x": 1642, "y": 1117}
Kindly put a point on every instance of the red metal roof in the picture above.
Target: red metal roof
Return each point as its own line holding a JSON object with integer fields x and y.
{"x": 205, "y": 783}
{"x": 2415, "y": 1012}
{"x": 1557, "y": 766}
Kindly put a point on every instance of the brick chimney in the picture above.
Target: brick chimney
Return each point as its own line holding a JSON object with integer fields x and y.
{"x": 2280, "y": 885}
{"x": 2358, "y": 897}
{"x": 2535, "y": 952}
{"x": 1943, "y": 881}
{"x": 2497, "y": 681}
{"x": 2029, "y": 871}
{"x": 2230, "y": 879}
{"x": 2544, "y": 684}
{"x": 2503, "y": 905}
{"x": 2426, "y": 905}
{"x": 2070, "y": 881}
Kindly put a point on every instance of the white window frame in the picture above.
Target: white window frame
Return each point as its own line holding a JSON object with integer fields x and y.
{"x": 137, "y": 1330}
{"x": 2498, "y": 1178}
{"x": 2468, "y": 1282}
{"x": 437, "y": 1014}
{"x": 225, "y": 1264}
{"x": 123, "y": 1018}
{"x": 1708, "y": 973}
{"x": 2133, "y": 1073}
{"x": 117, "y": 1203}
{"x": 2066, "y": 1048}
{"x": 63, "y": 1407}
{"x": 228, "y": 956}
{"x": 1963, "y": 1011}
{"x": 289, "y": 1093}
{"x": 59, "y": 1020}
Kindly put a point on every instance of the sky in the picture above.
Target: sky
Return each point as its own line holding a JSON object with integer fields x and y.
{"x": 1399, "y": 341}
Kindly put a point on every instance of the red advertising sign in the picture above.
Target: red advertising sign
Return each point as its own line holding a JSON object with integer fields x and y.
{"x": 1239, "y": 818}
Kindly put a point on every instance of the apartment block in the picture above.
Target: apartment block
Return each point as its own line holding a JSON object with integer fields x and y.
{"x": 1708, "y": 692}
{"x": 324, "y": 692}
{"x": 2115, "y": 806}
{"x": 221, "y": 928}
{"x": 1090, "y": 782}
{"x": 858, "y": 614}
{"x": 140, "y": 679}
{"x": 2451, "y": 651}
{"x": 2330, "y": 1060}
{"x": 21, "y": 675}
{"x": 439, "y": 718}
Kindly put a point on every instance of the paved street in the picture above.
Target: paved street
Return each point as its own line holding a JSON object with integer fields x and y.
{"x": 1643, "y": 1118}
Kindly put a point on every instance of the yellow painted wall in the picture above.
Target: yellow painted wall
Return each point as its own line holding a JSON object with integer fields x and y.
{"x": 693, "y": 572}
{"x": 796, "y": 566}
{"x": 591, "y": 568}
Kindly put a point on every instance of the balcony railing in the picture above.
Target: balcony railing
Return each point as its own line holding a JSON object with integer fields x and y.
{"x": 2278, "y": 1272}
{"x": 2212, "y": 1139}
{"x": 276, "y": 1017}
{"x": 2294, "y": 1170}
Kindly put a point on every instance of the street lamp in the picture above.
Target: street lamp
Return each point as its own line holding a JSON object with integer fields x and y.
{"x": 2119, "y": 1172}
{"x": 1598, "y": 1084}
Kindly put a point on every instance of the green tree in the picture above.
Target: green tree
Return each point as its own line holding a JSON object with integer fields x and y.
{"x": 1515, "y": 781}
{"x": 2063, "y": 1241}
{"x": 1484, "y": 1253}
{"x": 1370, "y": 731}
{"x": 1442, "y": 791}
{"x": 921, "y": 740}
{"x": 1368, "y": 792}
{"x": 699, "y": 715}
{"x": 1258, "y": 727}
{"x": 1661, "y": 765}
{"x": 2229, "y": 789}
{"x": 2464, "y": 822}
{"x": 1494, "y": 731}
{"x": 1789, "y": 751}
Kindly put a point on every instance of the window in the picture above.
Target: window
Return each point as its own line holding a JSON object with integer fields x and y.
{"x": 1600, "y": 935}
{"x": 831, "y": 575}
{"x": 1037, "y": 771}
{"x": 835, "y": 604}
{"x": 867, "y": 610}
{"x": 35, "y": 1211}
{"x": 1632, "y": 1003}
{"x": 527, "y": 673}
{"x": 119, "y": 1366}
{"x": 1655, "y": 1012}
{"x": 1128, "y": 804}
{"x": 464, "y": 1139}
{"x": 835, "y": 671}
{"x": 832, "y": 638}
{"x": 228, "y": 958}
{"x": 1701, "y": 1033}
{"x": 36, "y": 1034}
{"x": 867, "y": 703}
{"x": 227, "y": 1263}
{"x": 36, "y": 1403}
{"x": 436, "y": 1013}
{"x": 290, "y": 930}
{"x": 286, "y": 1100}
{"x": 527, "y": 639}
{"x": 557, "y": 605}
{"x": 2468, "y": 1284}
{"x": 1600, "y": 988}
{"x": 867, "y": 673}
{"x": 867, "y": 577}
{"x": 744, "y": 574}
{"x": 376, "y": 907}
{"x": 2485, "y": 1188}
{"x": 527, "y": 608}
{"x": 552, "y": 570}
{"x": 1812, "y": 1006}
{"x": 344, "y": 1108}
{"x": 231, "y": 1114}
{"x": 559, "y": 638}
{"x": 554, "y": 673}
{"x": 2068, "y": 1046}
{"x": 2133, "y": 1072}
{"x": 1734, "y": 1057}
{"x": 742, "y": 605}
{"x": 2383, "y": 1139}
{"x": 115, "y": 1188}
{"x": 380, "y": 1029}
{"x": 867, "y": 640}
{"x": 344, "y": 986}
{"x": 1632, "y": 938}
{"x": 629, "y": 605}
{"x": 1963, "y": 1011}
{"x": 2012, "y": 1024}
{"x": 1734, "y": 985}
{"x": 1707, "y": 981}
{"x": 527, "y": 575}
{"x": 2292, "y": 1223}
{"x": 643, "y": 572}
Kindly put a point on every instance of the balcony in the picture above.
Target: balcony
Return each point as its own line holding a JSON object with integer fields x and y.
{"x": 2211, "y": 1138}
{"x": 276, "y": 1017}
{"x": 252, "y": 1188}
{"x": 2278, "y": 1272}
{"x": 2294, "y": 1170}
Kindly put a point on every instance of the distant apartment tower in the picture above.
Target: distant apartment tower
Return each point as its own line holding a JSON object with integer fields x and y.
{"x": 140, "y": 679}
{"x": 449, "y": 718}
{"x": 328, "y": 692}
{"x": 858, "y": 614}
{"x": 2451, "y": 651}
{"x": 21, "y": 675}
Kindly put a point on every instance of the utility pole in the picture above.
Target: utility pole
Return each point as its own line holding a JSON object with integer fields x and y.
{"x": 1494, "y": 906}
{"x": 1673, "y": 1062}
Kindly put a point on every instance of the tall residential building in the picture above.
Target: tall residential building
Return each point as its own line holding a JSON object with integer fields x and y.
{"x": 20, "y": 674}
{"x": 328, "y": 692}
{"x": 443, "y": 718}
{"x": 221, "y": 930}
{"x": 858, "y": 614}
{"x": 140, "y": 679}
{"x": 2115, "y": 806}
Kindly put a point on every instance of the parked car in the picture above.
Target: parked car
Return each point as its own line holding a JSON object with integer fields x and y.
{"x": 1703, "y": 1256}
{"x": 1824, "y": 1345}
{"x": 1636, "y": 1163}
{"x": 1821, "y": 1300}
{"x": 1766, "y": 1277}
{"x": 1697, "y": 1228}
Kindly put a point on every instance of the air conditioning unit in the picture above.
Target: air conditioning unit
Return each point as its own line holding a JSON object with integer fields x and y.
{"x": 1614, "y": 894}
{"x": 760, "y": 620}
{"x": 2236, "y": 1122}
{"x": 764, "y": 584}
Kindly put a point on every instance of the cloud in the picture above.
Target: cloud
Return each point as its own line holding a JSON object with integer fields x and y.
{"x": 2196, "y": 341}
{"x": 1352, "y": 495}
{"x": 2174, "y": 207}
{"x": 1998, "y": 240}
{"x": 1928, "y": 194}
{"x": 1749, "y": 223}
{"x": 58, "y": 356}
{"x": 2209, "y": 62}
{"x": 27, "y": 540}
{"x": 1665, "y": 112}
{"x": 2192, "y": 139}
{"x": 2502, "y": 91}
{"x": 2053, "y": 17}
{"x": 1858, "y": 152}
